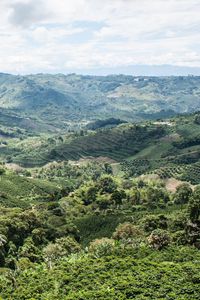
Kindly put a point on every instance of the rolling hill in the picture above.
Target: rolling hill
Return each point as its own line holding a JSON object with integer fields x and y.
{"x": 168, "y": 148}
{"x": 44, "y": 102}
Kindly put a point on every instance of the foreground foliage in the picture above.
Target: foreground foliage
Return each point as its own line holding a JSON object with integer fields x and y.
{"x": 140, "y": 274}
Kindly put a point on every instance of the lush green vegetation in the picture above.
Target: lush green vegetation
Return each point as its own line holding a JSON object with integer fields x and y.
{"x": 106, "y": 237}
{"x": 168, "y": 148}
{"x": 86, "y": 211}
{"x": 132, "y": 275}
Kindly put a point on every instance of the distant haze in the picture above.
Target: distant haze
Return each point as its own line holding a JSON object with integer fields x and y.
{"x": 143, "y": 70}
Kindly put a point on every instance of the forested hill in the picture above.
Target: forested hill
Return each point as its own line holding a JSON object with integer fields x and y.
{"x": 55, "y": 101}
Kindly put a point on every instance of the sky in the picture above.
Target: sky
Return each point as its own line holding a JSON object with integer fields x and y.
{"x": 100, "y": 36}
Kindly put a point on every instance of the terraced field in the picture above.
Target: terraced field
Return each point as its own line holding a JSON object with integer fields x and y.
{"x": 117, "y": 143}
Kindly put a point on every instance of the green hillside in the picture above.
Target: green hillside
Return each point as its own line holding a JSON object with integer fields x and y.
{"x": 117, "y": 143}
{"x": 168, "y": 148}
{"x": 21, "y": 191}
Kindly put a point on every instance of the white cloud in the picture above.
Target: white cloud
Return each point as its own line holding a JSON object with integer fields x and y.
{"x": 62, "y": 35}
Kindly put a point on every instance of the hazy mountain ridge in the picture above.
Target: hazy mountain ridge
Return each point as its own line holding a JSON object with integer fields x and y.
{"x": 75, "y": 98}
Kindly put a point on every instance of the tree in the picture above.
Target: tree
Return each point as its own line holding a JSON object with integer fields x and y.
{"x": 39, "y": 235}
{"x": 117, "y": 196}
{"x": 152, "y": 222}
{"x": 134, "y": 196}
{"x": 193, "y": 225}
{"x": 29, "y": 250}
{"x": 194, "y": 205}
{"x": 101, "y": 247}
{"x": 3, "y": 242}
{"x": 2, "y": 171}
{"x": 159, "y": 239}
{"x": 155, "y": 196}
{"x": 51, "y": 253}
{"x": 62, "y": 247}
{"x": 103, "y": 202}
{"x": 90, "y": 195}
{"x": 11, "y": 255}
{"x": 68, "y": 245}
{"x": 127, "y": 233}
{"x": 108, "y": 168}
{"x": 107, "y": 185}
{"x": 182, "y": 194}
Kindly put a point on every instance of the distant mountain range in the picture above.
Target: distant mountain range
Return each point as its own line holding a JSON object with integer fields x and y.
{"x": 143, "y": 70}
{"x": 54, "y": 102}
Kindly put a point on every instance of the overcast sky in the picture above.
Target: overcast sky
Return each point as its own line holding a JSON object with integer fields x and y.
{"x": 94, "y": 35}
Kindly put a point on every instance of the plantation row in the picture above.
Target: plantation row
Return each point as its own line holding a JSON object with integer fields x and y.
{"x": 164, "y": 168}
